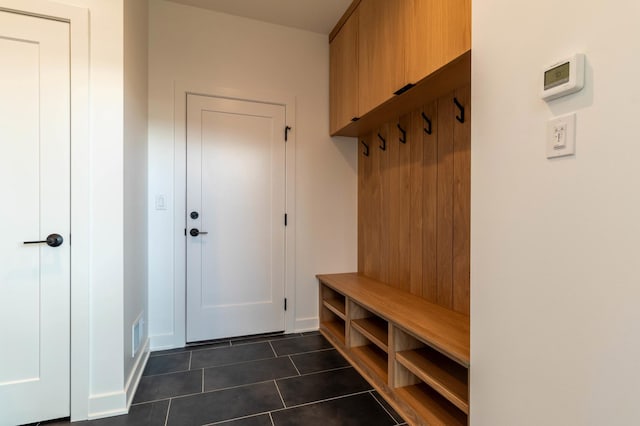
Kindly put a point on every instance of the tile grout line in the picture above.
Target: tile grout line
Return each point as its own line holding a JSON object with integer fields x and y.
{"x": 274, "y": 351}
{"x": 190, "y": 356}
{"x": 279, "y": 394}
{"x": 166, "y": 420}
{"x": 322, "y": 400}
{"x": 203, "y": 380}
{"x": 383, "y": 407}
{"x": 271, "y": 418}
{"x": 294, "y": 365}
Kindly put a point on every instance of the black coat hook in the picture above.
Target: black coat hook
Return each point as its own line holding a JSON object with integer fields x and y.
{"x": 384, "y": 142}
{"x": 403, "y": 138}
{"x": 427, "y": 120}
{"x": 366, "y": 149}
{"x": 460, "y": 117}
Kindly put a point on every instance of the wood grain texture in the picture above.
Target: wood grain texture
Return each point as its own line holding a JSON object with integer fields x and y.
{"x": 343, "y": 75}
{"x": 380, "y": 52}
{"x": 403, "y": 190}
{"x": 462, "y": 205}
{"x": 436, "y": 32}
{"x": 362, "y": 199}
{"x": 415, "y": 144}
{"x": 384, "y": 202}
{"x": 444, "y": 255}
{"x": 443, "y": 329}
{"x": 430, "y": 206}
{"x": 343, "y": 19}
{"x": 392, "y": 175}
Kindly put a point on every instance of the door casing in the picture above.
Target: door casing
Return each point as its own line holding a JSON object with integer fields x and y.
{"x": 181, "y": 89}
{"x": 78, "y": 19}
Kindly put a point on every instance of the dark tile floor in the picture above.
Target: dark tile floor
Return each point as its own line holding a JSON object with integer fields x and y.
{"x": 278, "y": 380}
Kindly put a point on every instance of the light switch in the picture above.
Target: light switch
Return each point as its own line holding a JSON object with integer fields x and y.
{"x": 561, "y": 136}
{"x": 160, "y": 202}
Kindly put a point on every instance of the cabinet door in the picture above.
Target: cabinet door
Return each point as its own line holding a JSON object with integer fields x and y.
{"x": 343, "y": 75}
{"x": 380, "y": 51}
{"x": 437, "y": 32}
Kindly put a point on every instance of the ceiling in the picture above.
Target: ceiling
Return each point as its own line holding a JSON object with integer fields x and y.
{"x": 319, "y": 16}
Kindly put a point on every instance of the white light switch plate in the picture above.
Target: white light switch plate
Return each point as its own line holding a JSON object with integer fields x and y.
{"x": 561, "y": 136}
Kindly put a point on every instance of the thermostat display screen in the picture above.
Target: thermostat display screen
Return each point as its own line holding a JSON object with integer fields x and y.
{"x": 556, "y": 76}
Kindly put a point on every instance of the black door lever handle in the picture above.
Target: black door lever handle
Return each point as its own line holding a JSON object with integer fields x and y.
{"x": 53, "y": 240}
{"x": 194, "y": 232}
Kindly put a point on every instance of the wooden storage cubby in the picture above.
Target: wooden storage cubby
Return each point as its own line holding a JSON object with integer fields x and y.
{"x": 333, "y": 313}
{"x": 414, "y": 353}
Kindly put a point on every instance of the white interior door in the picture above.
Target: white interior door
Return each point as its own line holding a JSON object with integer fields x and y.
{"x": 34, "y": 189}
{"x": 236, "y": 200}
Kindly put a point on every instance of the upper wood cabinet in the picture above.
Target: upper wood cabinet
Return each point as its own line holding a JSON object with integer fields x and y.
{"x": 381, "y": 40}
{"x": 343, "y": 75}
{"x": 436, "y": 32}
{"x": 381, "y": 46}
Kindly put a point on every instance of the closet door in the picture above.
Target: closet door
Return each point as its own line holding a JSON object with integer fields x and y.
{"x": 436, "y": 32}
{"x": 343, "y": 75}
{"x": 380, "y": 51}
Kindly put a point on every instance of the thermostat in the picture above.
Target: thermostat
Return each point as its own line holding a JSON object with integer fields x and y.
{"x": 564, "y": 77}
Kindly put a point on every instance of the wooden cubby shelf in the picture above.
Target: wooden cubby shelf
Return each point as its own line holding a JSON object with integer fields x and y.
{"x": 375, "y": 329}
{"x": 444, "y": 375}
{"x": 414, "y": 353}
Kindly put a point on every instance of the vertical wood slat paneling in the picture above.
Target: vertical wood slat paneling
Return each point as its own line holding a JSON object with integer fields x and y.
{"x": 414, "y": 201}
{"x": 404, "y": 203}
{"x": 429, "y": 208}
{"x": 461, "y": 205}
{"x": 445, "y": 200}
{"x": 415, "y": 144}
{"x": 384, "y": 204}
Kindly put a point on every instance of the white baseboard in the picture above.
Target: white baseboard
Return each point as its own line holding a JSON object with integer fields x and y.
{"x": 116, "y": 403}
{"x": 306, "y": 324}
{"x": 136, "y": 373}
{"x": 161, "y": 342}
{"x": 107, "y": 405}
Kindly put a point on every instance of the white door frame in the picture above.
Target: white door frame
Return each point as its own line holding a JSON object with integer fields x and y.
{"x": 181, "y": 89}
{"x": 78, "y": 19}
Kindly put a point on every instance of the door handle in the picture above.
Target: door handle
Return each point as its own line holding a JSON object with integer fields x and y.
{"x": 53, "y": 240}
{"x": 195, "y": 232}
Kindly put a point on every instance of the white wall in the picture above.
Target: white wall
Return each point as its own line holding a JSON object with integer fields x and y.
{"x": 192, "y": 45}
{"x": 555, "y": 324}
{"x": 135, "y": 180}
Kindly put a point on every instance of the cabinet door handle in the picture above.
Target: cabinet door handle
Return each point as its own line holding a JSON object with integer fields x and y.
{"x": 403, "y": 89}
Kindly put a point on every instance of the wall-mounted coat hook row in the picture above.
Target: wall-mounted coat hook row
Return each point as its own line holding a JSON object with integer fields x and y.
{"x": 459, "y": 117}
{"x": 384, "y": 142}
{"x": 403, "y": 136}
{"x": 427, "y": 120}
{"x": 366, "y": 149}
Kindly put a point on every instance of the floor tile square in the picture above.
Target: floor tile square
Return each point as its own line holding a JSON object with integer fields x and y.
{"x": 149, "y": 414}
{"x": 163, "y": 386}
{"x": 248, "y": 372}
{"x": 318, "y": 386}
{"x": 356, "y": 410}
{"x": 265, "y": 338}
{"x": 167, "y": 364}
{"x": 297, "y": 345}
{"x": 231, "y": 355}
{"x": 313, "y": 362}
{"x": 225, "y": 404}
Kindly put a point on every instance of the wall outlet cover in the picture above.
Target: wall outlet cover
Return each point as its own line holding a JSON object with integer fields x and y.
{"x": 561, "y": 136}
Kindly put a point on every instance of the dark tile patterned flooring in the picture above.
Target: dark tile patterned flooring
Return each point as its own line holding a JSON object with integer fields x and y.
{"x": 277, "y": 380}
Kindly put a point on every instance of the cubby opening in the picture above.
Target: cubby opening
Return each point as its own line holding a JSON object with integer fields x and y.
{"x": 333, "y": 313}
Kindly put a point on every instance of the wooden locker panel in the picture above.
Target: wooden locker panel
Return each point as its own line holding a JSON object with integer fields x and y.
{"x": 362, "y": 199}
{"x": 461, "y": 205}
{"x": 403, "y": 189}
{"x": 384, "y": 203}
{"x": 430, "y": 206}
{"x": 343, "y": 75}
{"x": 415, "y": 144}
{"x": 371, "y": 209}
{"x": 380, "y": 52}
{"x": 393, "y": 201}
{"x": 444, "y": 252}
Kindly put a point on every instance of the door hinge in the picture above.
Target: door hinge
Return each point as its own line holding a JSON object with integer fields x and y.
{"x": 285, "y": 219}
{"x": 285, "y": 303}
{"x": 286, "y": 133}
{"x": 185, "y": 232}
